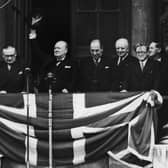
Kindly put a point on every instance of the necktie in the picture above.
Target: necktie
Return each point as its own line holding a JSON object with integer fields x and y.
{"x": 58, "y": 63}
{"x": 142, "y": 65}
{"x": 96, "y": 61}
{"x": 119, "y": 61}
{"x": 9, "y": 67}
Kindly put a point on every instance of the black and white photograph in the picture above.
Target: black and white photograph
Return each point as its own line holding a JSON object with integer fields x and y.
{"x": 83, "y": 84}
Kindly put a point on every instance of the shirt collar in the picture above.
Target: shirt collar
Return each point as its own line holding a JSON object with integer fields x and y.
{"x": 97, "y": 60}
{"x": 124, "y": 57}
{"x": 61, "y": 59}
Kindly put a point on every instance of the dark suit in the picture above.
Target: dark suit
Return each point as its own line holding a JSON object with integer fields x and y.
{"x": 64, "y": 75}
{"x": 120, "y": 71}
{"x": 138, "y": 80}
{"x": 12, "y": 80}
{"x": 163, "y": 87}
{"x": 95, "y": 78}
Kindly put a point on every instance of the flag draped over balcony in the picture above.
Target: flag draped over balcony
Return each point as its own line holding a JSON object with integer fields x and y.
{"x": 86, "y": 127}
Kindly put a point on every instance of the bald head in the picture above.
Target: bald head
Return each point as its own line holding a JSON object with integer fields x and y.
{"x": 96, "y": 48}
{"x": 122, "y": 47}
{"x": 60, "y": 49}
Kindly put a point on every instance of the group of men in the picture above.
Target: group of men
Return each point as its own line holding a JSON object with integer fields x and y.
{"x": 143, "y": 72}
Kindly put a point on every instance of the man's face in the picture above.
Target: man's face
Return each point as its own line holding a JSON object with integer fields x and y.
{"x": 9, "y": 59}
{"x": 9, "y": 55}
{"x": 141, "y": 52}
{"x": 60, "y": 50}
{"x": 95, "y": 49}
{"x": 153, "y": 49}
{"x": 121, "y": 48}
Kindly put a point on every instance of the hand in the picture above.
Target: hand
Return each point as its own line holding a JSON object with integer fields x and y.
{"x": 36, "y": 20}
{"x": 32, "y": 34}
{"x": 64, "y": 90}
{"x": 3, "y": 91}
{"x": 154, "y": 98}
{"x": 124, "y": 90}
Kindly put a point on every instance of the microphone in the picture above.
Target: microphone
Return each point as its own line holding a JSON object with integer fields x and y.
{"x": 27, "y": 70}
{"x": 50, "y": 77}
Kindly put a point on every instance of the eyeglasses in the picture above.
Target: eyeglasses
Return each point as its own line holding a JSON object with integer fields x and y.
{"x": 95, "y": 50}
{"x": 9, "y": 55}
{"x": 141, "y": 52}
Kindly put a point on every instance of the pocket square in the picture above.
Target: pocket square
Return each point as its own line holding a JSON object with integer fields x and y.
{"x": 20, "y": 73}
{"x": 67, "y": 67}
{"x": 106, "y": 67}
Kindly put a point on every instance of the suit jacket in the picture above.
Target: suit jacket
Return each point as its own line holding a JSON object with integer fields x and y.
{"x": 12, "y": 80}
{"x": 120, "y": 71}
{"x": 138, "y": 80}
{"x": 64, "y": 75}
{"x": 163, "y": 87}
{"x": 95, "y": 78}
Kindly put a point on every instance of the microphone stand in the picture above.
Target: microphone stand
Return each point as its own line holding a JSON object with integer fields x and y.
{"x": 27, "y": 71}
{"x": 50, "y": 76}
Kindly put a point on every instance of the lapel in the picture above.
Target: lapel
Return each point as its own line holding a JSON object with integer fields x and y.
{"x": 61, "y": 64}
{"x": 138, "y": 69}
{"x": 98, "y": 66}
{"x": 11, "y": 67}
{"x": 115, "y": 61}
{"x": 147, "y": 66}
{"x": 125, "y": 61}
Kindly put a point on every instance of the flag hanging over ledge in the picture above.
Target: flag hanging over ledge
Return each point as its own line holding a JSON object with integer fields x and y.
{"x": 86, "y": 127}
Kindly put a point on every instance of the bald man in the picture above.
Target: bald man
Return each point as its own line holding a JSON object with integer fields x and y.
{"x": 95, "y": 71}
{"x": 11, "y": 72}
{"x": 62, "y": 69}
{"x": 121, "y": 62}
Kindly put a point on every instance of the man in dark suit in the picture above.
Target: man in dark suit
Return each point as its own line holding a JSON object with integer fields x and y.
{"x": 121, "y": 63}
{"x": 95, "y": 72}
{"x": 11, "y": 72}
{"x": 156, "y": 53}
{"x": 143, "y": 74}
{"x": 62, "y": 68}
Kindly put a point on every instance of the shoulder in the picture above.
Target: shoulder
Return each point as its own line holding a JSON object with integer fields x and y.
{"x": 85, "y": 60}
{"x": 2, "y": 63}
{"x": 154, "y": 63}
{"x": 114, "y": 59}
{"x": 18, "y": 65}
{"x": 132, "y": 58}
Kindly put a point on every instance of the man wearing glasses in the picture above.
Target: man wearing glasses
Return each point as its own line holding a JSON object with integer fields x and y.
{"x": 143, "y": 75}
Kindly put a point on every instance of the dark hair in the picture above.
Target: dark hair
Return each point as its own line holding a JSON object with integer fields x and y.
{"x": 157, "y": 44}
{"x": 140, "y": 45}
